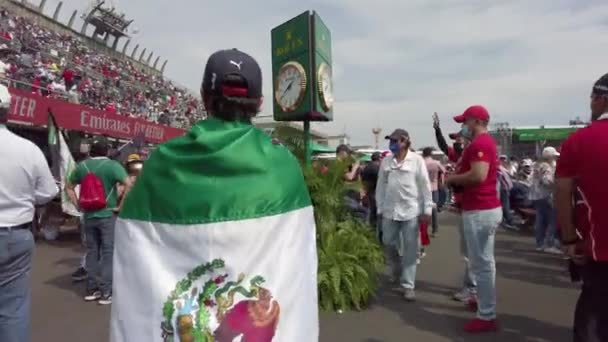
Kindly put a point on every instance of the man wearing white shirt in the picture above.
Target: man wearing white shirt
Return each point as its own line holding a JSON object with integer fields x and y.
{"x": 25, "y": 182}
{"x": 403, "y": 196}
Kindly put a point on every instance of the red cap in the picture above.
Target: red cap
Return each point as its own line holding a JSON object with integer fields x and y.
{"x": 454, "y": 136}
{"x": 477, "y": 112}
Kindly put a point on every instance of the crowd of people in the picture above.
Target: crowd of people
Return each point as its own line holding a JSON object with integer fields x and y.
{"x": 48, "y": 63}
{"x": 404, "y": 191}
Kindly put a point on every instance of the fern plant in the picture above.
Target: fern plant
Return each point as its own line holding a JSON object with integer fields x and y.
{"x": 350, "y": 258}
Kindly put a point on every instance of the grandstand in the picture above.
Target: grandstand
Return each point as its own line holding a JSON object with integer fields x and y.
{"x": 46, "y": 58}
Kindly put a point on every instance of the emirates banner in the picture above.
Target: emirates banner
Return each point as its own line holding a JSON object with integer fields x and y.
{"x": 31, "y": 109}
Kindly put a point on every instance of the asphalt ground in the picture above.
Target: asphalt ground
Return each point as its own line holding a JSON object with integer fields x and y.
{"x": 535, "y": 297}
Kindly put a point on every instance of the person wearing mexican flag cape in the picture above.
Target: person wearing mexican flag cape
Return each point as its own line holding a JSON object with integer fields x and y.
{"x": 216, "y": 240}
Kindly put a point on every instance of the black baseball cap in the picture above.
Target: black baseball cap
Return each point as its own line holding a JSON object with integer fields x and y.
{"x": 100, "y": 146}
{"x": 601, "y": 86}
{"x": 100, "y": 141}
{"x": 232, "y": 74}
{"x": 398, "y": 133}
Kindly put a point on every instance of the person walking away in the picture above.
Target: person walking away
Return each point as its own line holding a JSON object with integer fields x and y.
{"x": 369, "y": 177}
{"x": 541, "y": 194}
{"x": 435, "y": 169}
{"x": 25, "y": 182}
{"x": 505, "y": 183}
{"x": 404, "y": 199}
{"x": 580, "y": 165}
{"x": 99, "y": 206}
{"x": 481, "y": 212}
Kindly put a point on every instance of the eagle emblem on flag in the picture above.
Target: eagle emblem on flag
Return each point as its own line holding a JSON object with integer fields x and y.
{"x": 203, "y": 307}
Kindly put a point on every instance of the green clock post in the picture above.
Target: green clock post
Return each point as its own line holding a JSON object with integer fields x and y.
{"x": 302, "y": 72}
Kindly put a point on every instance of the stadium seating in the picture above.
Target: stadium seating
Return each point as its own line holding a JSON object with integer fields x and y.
{"x": 61, "y": 66}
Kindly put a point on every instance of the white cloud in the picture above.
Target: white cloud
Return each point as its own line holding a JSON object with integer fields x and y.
{"x": 396, "y": 62}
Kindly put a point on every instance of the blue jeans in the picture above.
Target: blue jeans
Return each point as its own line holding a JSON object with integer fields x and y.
{"x": 469, "y": 279}
{"x": 16, "y": 250}
{"x": 479, "y": 232}
{"x": 506, "y": 205}
{"x": 435, "y": 224}
{"x": 405, "y": 266}
{"x": 100, "y": 251}
{"x": 545, "y": 226}
{"x": 83, "y": 239}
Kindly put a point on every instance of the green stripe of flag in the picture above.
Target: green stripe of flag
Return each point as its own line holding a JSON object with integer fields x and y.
{"x": 219, "y": 171}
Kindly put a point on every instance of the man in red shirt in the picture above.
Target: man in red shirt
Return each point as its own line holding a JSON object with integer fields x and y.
{"x": 581, "y": 164}
{"x": 481, "y": 211}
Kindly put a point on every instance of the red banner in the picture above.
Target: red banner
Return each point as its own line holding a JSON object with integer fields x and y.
{"x": 33, "y": 110}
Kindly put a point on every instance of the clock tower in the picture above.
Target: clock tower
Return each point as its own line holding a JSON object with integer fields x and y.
{"x": 302, "y": 70}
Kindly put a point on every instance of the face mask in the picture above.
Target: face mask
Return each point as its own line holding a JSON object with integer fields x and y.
{"x": 394, "y": 147}
{"x": 457, "y": 148}
{"x": 465, "y": 132}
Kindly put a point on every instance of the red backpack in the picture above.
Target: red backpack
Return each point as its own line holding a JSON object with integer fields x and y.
{"x": 92, "y": 192}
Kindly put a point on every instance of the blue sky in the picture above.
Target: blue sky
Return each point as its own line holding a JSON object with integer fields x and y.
{"x": 397, "y": 62}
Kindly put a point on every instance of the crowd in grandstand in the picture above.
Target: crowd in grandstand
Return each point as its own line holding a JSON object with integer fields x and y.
{"x": 59, "y": 65}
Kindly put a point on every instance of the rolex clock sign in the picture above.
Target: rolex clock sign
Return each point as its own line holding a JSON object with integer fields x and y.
{"x": 301, "y": 69}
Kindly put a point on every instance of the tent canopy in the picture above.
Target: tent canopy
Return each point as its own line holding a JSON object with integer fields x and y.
{"x": 318, "y": 148}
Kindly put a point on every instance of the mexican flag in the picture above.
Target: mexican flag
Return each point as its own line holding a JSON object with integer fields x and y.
{"x": 62, "y": 163}
{"x": 216, "y": 242}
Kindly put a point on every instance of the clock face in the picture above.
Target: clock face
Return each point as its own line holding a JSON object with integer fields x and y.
{"x": 325, "y": 87}
{"x": 290, "y": 86}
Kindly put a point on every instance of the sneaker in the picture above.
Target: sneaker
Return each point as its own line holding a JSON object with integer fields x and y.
{"x": 540, "y": 249}
{"x": 510, "y": 227}
{"x": 105, "y": 299}
{"x": 80, "y": 275}
{"x": 462, "y": 296}
{"x": 434, "y": 235}
{"x": 92, "y": 296}
{"x": 553, "y": 250}
{"x": 422, "y": 254}
{"x": 478, "y": 325}
{"x": 409, "y": 295}
{"x": 418, "y": 261}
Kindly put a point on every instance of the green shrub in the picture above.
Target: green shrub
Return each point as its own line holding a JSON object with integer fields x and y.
{"x": 350, "y": 258}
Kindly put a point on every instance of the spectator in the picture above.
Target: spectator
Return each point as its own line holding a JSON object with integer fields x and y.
{"x": 369, "y": 176}
{"x": 580, "y": 165}
{"x": 541, "y": 194}
{"x": 99, "y": 224}
{"x": 25, "y": 182}
{"x": 435, "y": 169}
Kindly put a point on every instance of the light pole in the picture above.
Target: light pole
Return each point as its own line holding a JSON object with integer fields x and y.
{"x": 376, "y": 131}
{"x": 505, "y": 134}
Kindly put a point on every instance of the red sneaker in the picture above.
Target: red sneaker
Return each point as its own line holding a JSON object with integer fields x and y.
{"x": 472, "y": 304}
{"x": 478, "y": 325}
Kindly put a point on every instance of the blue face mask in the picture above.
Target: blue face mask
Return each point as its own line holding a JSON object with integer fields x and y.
{"x": 393, "y": 147}
{"x": 465, "y": 132}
